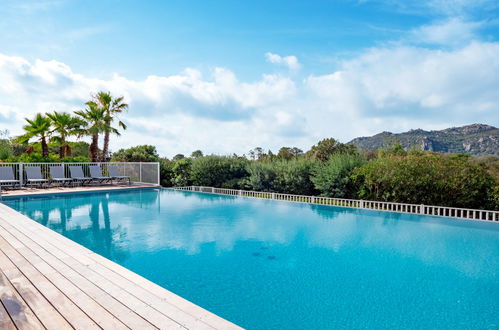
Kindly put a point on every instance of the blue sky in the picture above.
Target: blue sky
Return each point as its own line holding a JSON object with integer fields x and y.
{"x": 226, "y": 76}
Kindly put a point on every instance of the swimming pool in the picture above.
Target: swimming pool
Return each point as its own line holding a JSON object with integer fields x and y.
{"x": 267, "y": 264}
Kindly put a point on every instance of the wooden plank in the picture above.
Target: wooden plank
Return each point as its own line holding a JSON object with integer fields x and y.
{"x": 40, "y": 306}
{"x": 114, "y": 306}
{"x": 95, "y": 311}
{"x": 16, "y": 307}
{"x": 140, "y": 307}
{"x": 65, "y": 306}
{"x": 5, "y": 320}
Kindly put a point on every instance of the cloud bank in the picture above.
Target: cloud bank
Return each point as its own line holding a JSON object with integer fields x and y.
{"x": 393, "y": 87}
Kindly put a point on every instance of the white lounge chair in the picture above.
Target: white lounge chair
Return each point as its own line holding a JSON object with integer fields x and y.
{"x": 77, "y": 175}
{"x": 34, "y": 176}
{"x": 114, "y": 173}
{"x": 96, "y": 174}
{"x": 7, "y": 176}
{"x": 57, "y": 175}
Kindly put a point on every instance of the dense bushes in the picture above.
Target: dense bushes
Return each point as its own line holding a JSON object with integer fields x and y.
{"x": 334, "y": 177}
{"x": 291, "y": 177}
{"x": 391, "y": 175}
{"x": 144, "y": 153}
{"x": 218, "y": 171}
{"x": 425, "y": 179}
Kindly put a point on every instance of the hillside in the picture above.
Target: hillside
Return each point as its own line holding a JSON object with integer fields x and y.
{"x": 475, "y": 139}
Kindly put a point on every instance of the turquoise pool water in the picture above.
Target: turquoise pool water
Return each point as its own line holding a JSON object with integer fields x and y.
{"x": 278, "y": 265}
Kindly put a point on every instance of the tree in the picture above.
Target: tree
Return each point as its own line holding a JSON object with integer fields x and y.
{"x": 289, "y": 153}
{"x": 197, "y": 154}
{"x": 430, "y": 179}
{"x": 39, "y": 127}
{"x": 144, "y": 153}
{"x": 64, "y": 125}
{"x": 327, "y": 147}
{"x": 112, "y": 108}
{"x": 256, "y": 153}
{"x": 284, "y": 153}
{"x": 293, "y": 176}
{"x": 96, "y": 123}
{"x": 396, "y": 149}
{"x": 5, "y": 145}
{"x": 178, "y": 157}
{"x": 218, "y": 171}
{"x": 182, "y": 172}
{"x": 333, "y": 178}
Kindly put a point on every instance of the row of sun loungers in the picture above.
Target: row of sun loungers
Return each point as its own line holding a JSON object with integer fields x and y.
{"x": 34, "y": 175}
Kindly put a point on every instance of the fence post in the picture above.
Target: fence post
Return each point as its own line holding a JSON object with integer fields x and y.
{"x": 240, "y": 192}
{"x": 421, "y": 209}
{"x": 21, "y": 176}
{"x": 273, "y": 195}
{"x": 212, "y": 190}
{"x": 159, "y": 179}
{"x": 362, "y": 204}
{"x": 140, "y": 171}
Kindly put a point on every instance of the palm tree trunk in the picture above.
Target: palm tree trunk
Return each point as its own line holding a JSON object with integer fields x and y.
{"x": 45, "y": 148}
{"x": 94, "y": 148}
{"x": 105, "y": 147}
{"x": 62, "y": 148}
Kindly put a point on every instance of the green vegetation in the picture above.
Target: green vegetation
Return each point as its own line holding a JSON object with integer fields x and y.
{"x": 393, "y": 173}
{"x": 333, "y": 169}
{"x": 430, "y": 179}
{"x": 45, "y": 137}
{"x": 334, "y": 177}
{"x": 112, "y": 108}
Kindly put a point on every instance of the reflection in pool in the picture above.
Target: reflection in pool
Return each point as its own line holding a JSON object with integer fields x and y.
{"x": 272, "y": 264}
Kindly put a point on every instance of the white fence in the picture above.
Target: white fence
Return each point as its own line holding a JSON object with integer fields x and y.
{"x": 138, "y": 172}
{"x": 442, "y": 211}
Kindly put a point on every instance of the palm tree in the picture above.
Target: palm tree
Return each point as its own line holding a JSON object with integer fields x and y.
{"x": 96, "y": 123}
{"x": 65, "y": 125}
{"x": 39, "y": 127}
{"x": 112, "y": 107}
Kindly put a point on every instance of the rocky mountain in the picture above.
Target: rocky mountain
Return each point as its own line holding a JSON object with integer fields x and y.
{"x": 475, "y": 139}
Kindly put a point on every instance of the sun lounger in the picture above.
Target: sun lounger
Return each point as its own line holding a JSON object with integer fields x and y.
{"x": 7, "y": 176}
{"x": 96, "y": 174}
{"x": 34, "y": 176}
{"x": 114, "y": 173}
{"x": 57, "y": 175}
{"x": 77, "y": 174}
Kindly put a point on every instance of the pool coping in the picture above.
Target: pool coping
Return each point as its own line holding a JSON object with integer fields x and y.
{"x": 34, "y": 257}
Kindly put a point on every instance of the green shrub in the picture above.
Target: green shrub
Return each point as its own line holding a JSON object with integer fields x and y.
{"x": 291, "y": 177}
{"x": 218, "y": 171}
{"x": 333, "y": 178}
{"x": 182, "y": 172}
{"x": 143, "y": 153}
{"x": 430, "y": 179}
{"x": 166, "y": 172}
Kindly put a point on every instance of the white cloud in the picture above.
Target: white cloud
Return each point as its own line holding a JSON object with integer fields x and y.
{"x": 385, "y": 88}
{"x": 417, "y": 83}
{"x": 289, "y": 61}
{"x": 451, "y": 32}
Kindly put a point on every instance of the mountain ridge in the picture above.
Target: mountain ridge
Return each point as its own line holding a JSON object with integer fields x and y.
{"x": 475, "y": 139}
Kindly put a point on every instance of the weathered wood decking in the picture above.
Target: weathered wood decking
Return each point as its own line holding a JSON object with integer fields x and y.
{"x": 49, "y": 281}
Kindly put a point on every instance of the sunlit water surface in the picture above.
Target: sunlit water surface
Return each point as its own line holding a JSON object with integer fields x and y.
{"x": 279, "y": 265}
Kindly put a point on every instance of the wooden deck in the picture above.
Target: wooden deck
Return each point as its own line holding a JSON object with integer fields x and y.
{"x": 49, "y": 281}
